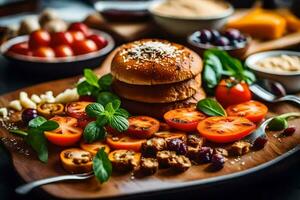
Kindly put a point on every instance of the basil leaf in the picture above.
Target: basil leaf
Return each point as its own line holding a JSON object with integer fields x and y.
{"x": 19, "y": 132}
{"x": 94, "y": 109}
{"x": 91, "y": 77}
{"x": 210, "y": 77}
{"x": 109, "y": 108}
{"x": 102, "y": 166}
{"x": 101, "y": 121}
{"x": 84, "y": 88}
{"x": 93, "y": 132}
{"x": 105, "y": 82}
{"x": 37, "y": 141}
{"x": 119, "y": 123}
{"x": 122, "y": 112}
{"x": 49, "y": 126}
{"x": 105, "y": 97}
{"x": 211, "y": 107}
{"x": 116, "y": 104}
{"x": 36, "y": 122}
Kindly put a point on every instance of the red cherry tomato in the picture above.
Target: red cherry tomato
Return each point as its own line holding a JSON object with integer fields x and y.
{"x": 252, "y": 110}
{"x": 61, "y": 38}
{"x": 45, "y": 52}
{"x": 225, "y": 129}
{"x": 100, "y": 41}
{"x": 84, "y": 47}
{"x": 142, "y": 126}
{"x": 77, "y": 35}
{"x": 185, "y": 119}
{"x": 77, "y": 26}
{"x": 63, "y": 51}
{"x": 38, "y": 39}
{"x": 230, "y": 92}
{"x": 20, "y": 48}
{"x": 77, "y": 109}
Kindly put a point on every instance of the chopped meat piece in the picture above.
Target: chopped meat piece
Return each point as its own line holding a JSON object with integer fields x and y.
{"x": 148, "y": 166}
{"x": 124, "y": 160}
{"x": 193, "y": 153}
{"x": 152, "y": 146}
{"x": 164, "y": 156}
{"x": 221, "y": 151}
{"x": 240, "y": 148}
{"x": 195, "y": 141}
{"x": 180, "y": 163}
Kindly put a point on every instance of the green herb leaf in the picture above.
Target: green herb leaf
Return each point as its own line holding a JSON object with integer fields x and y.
{"x": 84, "y": 88}
{"x": 210, "y": 77}
{"x": 37, "y": 141}
{"x": 49, "y": 126}
{"x": 116, "y": 104}
{"x": 119, "y": 123}
{"x": 93, "y": 132}
{"x": 101, "y": 121}
{"x": 19, "y": 132}
{"x": 36, "y": 122}
{"x": 91, "y": 77}
{"x": 281, "y": 122}
{"x": 94, "y": 109}
{"x": 109, "y": 108}
{"x": 102, "y": 166}
{"x": 211, "y": 107}
{"x": 105, "y": 82}
{"x": 106, "y": 97}
{"x": 122, "y": 112}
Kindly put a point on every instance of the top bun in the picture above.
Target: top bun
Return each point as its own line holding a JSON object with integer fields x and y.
{"x": 153, "y": 62}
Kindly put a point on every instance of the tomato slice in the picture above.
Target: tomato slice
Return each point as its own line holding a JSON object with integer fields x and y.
{"x": 171, "y": 135}
{"x": 77, "y": 109}
{"x": 66, "y": 134}
{"x": 94, "y": 147}
{"x": 225, "y": 129}
{"x": 50, "y": 109}
{"x": 252, "y": 110}
{"x": 125, "y": 142}
{"x": 142, "y": 126}
{"x": 185, "y": 119}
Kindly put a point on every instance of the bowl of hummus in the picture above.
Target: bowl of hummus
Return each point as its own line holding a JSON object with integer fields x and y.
{"x": 182, "y": 17}
{"x": 281, "y": 66}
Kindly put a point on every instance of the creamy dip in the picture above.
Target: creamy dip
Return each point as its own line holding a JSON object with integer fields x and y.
{"x": 191, "y": 8}
{"x": 283, "y": 63}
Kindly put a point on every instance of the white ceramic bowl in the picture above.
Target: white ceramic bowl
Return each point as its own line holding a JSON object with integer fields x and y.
{"x": 290, "y": 80}
{"x": 183, "y": 26}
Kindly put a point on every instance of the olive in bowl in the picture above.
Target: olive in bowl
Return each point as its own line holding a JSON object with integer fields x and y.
{"x": 231, "y": 40}
{"x": 58, "y": 54}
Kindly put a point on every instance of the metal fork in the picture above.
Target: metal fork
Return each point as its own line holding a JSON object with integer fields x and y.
{"x": 26, "y": 188}
{"x": 260, "y": 132}
{"x": 269, "y": 97}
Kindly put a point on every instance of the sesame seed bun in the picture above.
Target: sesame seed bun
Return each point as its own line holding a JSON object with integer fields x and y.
{"x": 157, "y": 110}
{"x": 154, "y": 62}
{"x": 158, "y": 93}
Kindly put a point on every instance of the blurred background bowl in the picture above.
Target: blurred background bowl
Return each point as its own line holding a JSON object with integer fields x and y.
{"x": 56, "y": 67}
{"x": 290, "y": 80}
{"x": 183, "y": 26}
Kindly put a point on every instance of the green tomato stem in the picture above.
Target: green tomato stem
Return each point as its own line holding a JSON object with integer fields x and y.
{"x": 290, "y": 115}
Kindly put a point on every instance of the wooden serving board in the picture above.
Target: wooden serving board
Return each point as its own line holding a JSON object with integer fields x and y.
{"x": 30, "y": 169}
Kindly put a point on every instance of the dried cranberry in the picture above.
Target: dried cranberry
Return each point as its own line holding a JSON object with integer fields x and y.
{"x": 205, "y": 154}
{"x": 260, "y": 143}
{"x": 217, "y": 161}
{"x": 29, "y": 114}
{"x": 177, "y": 145}
{"x": 289, "y": 131}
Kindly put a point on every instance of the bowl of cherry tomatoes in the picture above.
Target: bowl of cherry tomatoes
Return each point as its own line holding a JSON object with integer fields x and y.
{"x": 59, "y": 53}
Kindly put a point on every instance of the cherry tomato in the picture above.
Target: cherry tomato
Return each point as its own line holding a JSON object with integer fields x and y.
{"x": 39, "y": 38}
{"x": 66, "y": 134}
{"x": 87, "y": 98}
{"x": 84, "y": 47}
{"x": 77, "y": 109}
{"x": 20, "y": 48}
{"x": 171, "y": 135}
{"x": 252, "y": 110}
{"x": 185, "y": 119}
{"x": 100, "y": 41}
{"x": 77, "y": 35}
{"x": 125, "y": 142}
{"x": 77, "y": 26}
{"x": 230, "y": 92}
{"x": 94, "y": 147}
{"x": 63, "y": 51}
{"x": 76, "y": 160}
{"x": 46, "y": 52}
{"x": 225, "y": 129}
{"x": 61, "y": 38}
{"x": 142, "y": 126}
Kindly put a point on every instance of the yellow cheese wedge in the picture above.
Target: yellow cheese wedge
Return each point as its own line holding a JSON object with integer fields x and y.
{"x": 260, "y": 24}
